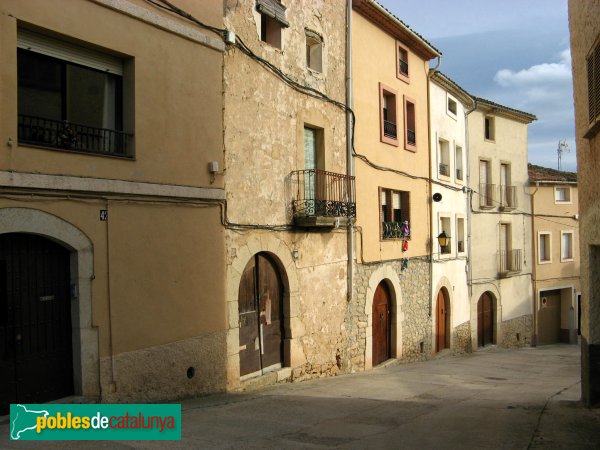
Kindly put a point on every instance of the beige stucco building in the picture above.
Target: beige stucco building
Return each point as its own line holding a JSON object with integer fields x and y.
{"x": 557, "y": 293}
{"x": 449, "y": 105}
{"x": 390, "y": 312}
{"x": 112, "y": 249}
{"x": 501, "y": 253}
{"x": 585, "y": 54}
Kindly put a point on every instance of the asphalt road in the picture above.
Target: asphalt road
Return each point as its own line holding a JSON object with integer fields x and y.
{"x": 491, "y": 399}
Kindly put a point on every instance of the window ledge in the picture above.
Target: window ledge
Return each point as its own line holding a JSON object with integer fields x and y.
{"x": 545, "y": 262}
{"x": 491, "y": 141}
{"x": 593, "y": 129}
{"x": 567, "y": 260}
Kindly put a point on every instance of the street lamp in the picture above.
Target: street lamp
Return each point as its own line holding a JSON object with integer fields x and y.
{"x": 443, "y": 239}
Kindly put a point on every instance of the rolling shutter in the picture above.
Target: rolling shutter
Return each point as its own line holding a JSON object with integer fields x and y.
{"x": 67, "y": 51}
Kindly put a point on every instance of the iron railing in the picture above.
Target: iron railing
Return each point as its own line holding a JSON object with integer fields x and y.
{"x": 509, "y": 261}
{"x": 319, "y": 193}
{"x": 393, "y": 230}
{"x": 487, "y": 195}
{"x": 461, "y": 246}
{"x": 411, "y": 137}
{"x": 71, "y": 136}
{"x": 459, "y": 174}
{"x": 403, "y": 67}
{"x": 444, "y": 169}
{"x": 508, "y": 197}
{"x": 390, "y": 129}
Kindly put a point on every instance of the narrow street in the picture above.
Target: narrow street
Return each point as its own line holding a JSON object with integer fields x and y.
{"x": 496, "y": 399}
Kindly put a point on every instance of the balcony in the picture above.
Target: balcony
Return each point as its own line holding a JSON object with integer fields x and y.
{"x": 390, "y": 129}
{"x": 508, "y": 197}
{"x": 322, "y": 199}
{"x": 509, "y": 262}
{"x": 487, "y": 196}
{"x": 393, "y": 230}
{"x": 71, "y": 136}
{"x": 444, "y": 169}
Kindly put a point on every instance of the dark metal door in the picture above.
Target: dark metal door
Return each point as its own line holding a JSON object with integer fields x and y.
{"x": 36, "y": 359}
{"x": 382, "y": 326}
{"x": 261, "y": 316}
{"x": 485, "y": 320}
{"x": 441, "y": 322}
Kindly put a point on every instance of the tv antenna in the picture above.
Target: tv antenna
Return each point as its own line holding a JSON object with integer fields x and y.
{"x": 562, "y": 147}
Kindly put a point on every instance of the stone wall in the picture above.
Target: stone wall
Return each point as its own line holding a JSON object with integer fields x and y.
{"x": 411, "y": 313}
{"x": 517, "y": 332}
{"x": 461, "y": 338}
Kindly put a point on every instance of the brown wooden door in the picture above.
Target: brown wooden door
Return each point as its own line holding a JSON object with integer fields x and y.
{"x": 260, "y": 302}
{"x": 382, "y": 326}
{"x": 36, "y": 355}
{"x": 485, "y": 320}
{"x": 441, "y": 322}
{"x": 549, "y": 318}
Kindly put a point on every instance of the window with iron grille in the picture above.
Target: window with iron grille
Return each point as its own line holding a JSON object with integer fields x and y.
{"x": 394, "y": 209}
{"x": 69, "y": 97}
{"x": 402, "y": 67}
{"x": 593, "y": 79}
{"x": 410, "y": 124}
{"x": 388, "y": 115}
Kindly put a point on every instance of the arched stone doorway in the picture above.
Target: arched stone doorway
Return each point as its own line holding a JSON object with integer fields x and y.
{"x": 260, "y": 305}
{"x": 486, "y": 317}
{"x": 382, "y": 324}
{"x": 442, "y": 323}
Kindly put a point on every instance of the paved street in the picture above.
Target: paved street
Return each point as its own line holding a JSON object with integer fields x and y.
{"x": 496, "y": 399}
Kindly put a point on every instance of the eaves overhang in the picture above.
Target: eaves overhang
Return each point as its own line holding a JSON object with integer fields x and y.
{"x": 505, "y": 111}
{"x": 453, "y": 88}
{"x": 392, "y": 25}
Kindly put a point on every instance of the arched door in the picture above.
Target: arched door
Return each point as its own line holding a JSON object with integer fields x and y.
{"x": 442, "y": 324}
{"x": 260, "y": 303}
{"x": 36, "y": 350}
{"x": 382, "y": 324}
{"x": 485, "y": 320}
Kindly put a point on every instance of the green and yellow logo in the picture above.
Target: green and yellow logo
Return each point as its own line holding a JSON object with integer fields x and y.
{"x": 95, "y": 422}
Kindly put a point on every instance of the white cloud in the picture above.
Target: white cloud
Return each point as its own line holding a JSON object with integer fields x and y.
{"x": 541, "y": 74}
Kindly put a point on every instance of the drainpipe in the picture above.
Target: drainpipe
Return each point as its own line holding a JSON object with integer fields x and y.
{"x": 468, "y": 200}
{"x": 430, "y": 184}
{"x": 349, "y": 140}
{"x": 534, "y": 268}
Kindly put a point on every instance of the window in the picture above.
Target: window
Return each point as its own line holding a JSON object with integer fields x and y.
{"x": 458, "y": 162}
{"x": 486, "y": 189}
{"x": 314, "y": 51}
{"x": 508, "y": 193}
{"x": 489, "y": 128}
{"x": 69, "y": 97}
{"x": 410, "y": 130}
{"x": 510, "y": 259}
{"x": 593, "y": 79}
{"x": 444, "y": 158}
{"x": 388, "y": 115}
{"x": 566, "y": 246}
{"x": 544, "y": 247}
{"x": 402, "y": 62}
{"x": 460, "y": 235}
{"x": 394, "y": 210}
{"x": 445, "y": 227}
{"x": 452, "y": 107}
{"x": 272, "y": 21}
{"x": 562, "y": 195}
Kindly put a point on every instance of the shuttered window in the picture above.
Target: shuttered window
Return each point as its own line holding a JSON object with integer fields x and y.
{"x": 593, "y": 75}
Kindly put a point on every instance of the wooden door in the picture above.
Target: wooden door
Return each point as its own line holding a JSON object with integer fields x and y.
{"x": 441, "y": 341}
{"x": 36, "y": 351}
{"x": 549, "y": 318}
{"x": 260, "y": 303}
{"x": 485, "y": 320}
{"x": 382, "y": 324}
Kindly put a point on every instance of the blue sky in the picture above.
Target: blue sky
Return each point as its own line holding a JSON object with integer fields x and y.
{"x": 513, "y": 52}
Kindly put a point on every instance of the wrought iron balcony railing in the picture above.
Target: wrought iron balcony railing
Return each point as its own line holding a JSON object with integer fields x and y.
{"x": 318, "y": 193}
{"x": 444, "y": 169}
{"x": 393, "y": 230}
{"x": 508, "y": 197}
{"x": 487, "y": 195}
{"x": 461, "y": 246}
{"x": 509, "y": 261}
{"x": 71, "y": 136}
{"x": 390, "y": 129}
{"x": 411, "y": 137}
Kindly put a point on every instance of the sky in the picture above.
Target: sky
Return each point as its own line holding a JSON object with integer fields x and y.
{"x": 512, "y": 52}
